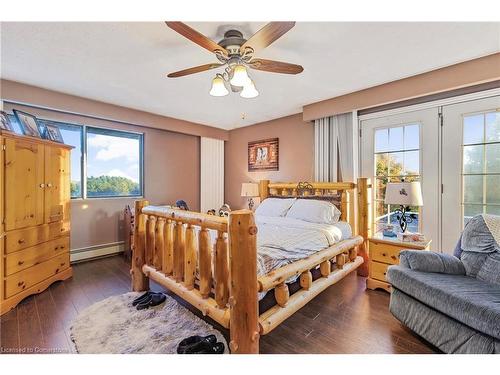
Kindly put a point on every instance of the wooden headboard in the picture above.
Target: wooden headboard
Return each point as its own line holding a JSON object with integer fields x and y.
{"x": 343, "y": 194}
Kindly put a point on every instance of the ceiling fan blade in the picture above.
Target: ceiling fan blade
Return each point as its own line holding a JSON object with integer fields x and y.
{"x": 195, "y": 36}
{"x": 275, "y": 66}
{"x": 267, "y": 35}
{"x": 196, "y": 69}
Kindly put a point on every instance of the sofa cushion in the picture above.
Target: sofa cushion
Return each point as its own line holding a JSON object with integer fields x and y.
{"x": 429, "y": 261}
{"x": 473, "y": 302}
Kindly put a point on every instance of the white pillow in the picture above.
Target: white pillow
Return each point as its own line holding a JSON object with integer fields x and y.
{"x": 274, "y": 207}
{"x": 314, "y": 211}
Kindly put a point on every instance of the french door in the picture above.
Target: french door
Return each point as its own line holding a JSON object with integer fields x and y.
{"x": 458, "y": 148}
{"x": 470, "y": 164}
{"x": 404, "y": 147}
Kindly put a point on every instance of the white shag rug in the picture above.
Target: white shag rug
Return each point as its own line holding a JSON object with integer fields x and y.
{"x": 114, "y": 326}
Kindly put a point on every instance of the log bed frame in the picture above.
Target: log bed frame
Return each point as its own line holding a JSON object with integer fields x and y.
{"x": 167, "y": 250}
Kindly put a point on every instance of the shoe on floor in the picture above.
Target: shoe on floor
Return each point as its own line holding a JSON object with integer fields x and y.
{"x": 141, "y": 298}
{"x": 204, "y": 347}
{"x": 154, "y": 299}
{"x": 184, "y": 344}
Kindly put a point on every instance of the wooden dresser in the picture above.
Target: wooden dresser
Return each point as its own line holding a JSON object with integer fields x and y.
{"x": 383, "y": 252}
{"x": 35, "y": 212}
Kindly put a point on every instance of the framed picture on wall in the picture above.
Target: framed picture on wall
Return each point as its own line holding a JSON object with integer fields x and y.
{"x": 263, "y": 155}
{"x": 28, "y": 123}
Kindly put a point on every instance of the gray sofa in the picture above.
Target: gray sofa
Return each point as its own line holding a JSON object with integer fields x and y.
{"x": 453, "y": 301}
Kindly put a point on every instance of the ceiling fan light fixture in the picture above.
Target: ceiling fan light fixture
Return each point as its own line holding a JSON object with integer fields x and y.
{"x": 218, "y": 87}
{"x": 240, "y": 76}
{"x": 249, "y": 91}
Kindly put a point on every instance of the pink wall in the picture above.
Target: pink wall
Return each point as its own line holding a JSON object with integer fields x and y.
{"x": 296, "y": 155}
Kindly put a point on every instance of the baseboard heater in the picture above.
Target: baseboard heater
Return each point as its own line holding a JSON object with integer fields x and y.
{"x": 97, "y": 251}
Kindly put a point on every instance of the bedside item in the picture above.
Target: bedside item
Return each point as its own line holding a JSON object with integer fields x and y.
{"x": 411, "y": 237}
{"x": 29, "y": 124}
{"x": 384, "y": 251}
{"x": 250, "y": 190}
{"x": 224, "y": 210}
{"x": 405, "y": 194}
{"x": 181, "y": 205}
{"x": 389, "y": 232}
{"x": 211, "y": 212}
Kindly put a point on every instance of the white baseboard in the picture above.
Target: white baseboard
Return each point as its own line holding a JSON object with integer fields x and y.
{"x": 85, "y": 253}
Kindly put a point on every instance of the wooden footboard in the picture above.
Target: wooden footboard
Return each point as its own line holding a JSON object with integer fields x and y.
{"x": 174, "y": 248}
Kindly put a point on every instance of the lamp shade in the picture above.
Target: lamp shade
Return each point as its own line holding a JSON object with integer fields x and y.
{"x": 249, "y": 91}
{"x": 249, "y": 189}
{"x": 218, "y": 87}
{"x": 404, "y": 193}
{"x": 240, "y": 76}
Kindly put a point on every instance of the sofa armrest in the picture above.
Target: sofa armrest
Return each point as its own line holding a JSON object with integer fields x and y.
{"x": 428, "y": 261}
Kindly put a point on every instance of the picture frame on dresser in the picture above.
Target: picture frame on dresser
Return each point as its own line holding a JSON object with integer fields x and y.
{"x": 5, "y": 124}
{"x": 29, "y": 124}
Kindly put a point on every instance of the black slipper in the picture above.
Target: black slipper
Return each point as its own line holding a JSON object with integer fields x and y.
{"x": 184, "y": 344}
{"x": 154, "y": 299}
{"x": 204, "y": 347}
{"x": 141, "y": 298}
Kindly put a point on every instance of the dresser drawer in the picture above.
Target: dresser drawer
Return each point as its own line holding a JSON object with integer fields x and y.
{"x": 34, "y": 255}
{"x": 378, "y": 271}
{"x": 25, "y": 279}
{"x": 21, "y": 239}
{"x": 59, "y": 229}
{"x": 385, "y": 253}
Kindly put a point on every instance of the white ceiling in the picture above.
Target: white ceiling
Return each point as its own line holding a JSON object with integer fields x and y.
{"x": 126, "y": 63}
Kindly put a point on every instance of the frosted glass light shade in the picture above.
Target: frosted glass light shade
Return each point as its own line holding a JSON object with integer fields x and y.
{"x": 218, "y": 87}
{"x": 249, "y": 91}
{"x": 240, "y": 76}
{"x": 404, "y": 193}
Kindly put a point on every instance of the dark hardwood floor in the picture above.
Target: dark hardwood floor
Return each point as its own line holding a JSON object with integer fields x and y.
{"x": 345, "y": 318}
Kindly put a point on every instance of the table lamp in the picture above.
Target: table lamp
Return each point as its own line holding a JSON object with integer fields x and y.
{"x": 405, "y": 194}
{"x": 250, "y": 190}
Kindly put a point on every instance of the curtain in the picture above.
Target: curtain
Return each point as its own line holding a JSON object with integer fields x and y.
{"x": 211, "y": 174}
{"x": 334, "y": 148}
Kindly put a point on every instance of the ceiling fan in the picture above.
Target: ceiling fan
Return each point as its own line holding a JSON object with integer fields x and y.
{"x": 237, "y": 54}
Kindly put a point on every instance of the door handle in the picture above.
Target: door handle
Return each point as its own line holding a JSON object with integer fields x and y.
{"x": 42, "y": 186}
{"x": 49, "y": 185}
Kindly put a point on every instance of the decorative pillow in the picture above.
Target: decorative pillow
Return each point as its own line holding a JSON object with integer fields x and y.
{"x": 274, "y": 207}
{"x": 314, "y": 211}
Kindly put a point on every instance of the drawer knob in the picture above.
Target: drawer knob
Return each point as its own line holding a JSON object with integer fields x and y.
{"x": 57, "y": 247}
{"x": 21, "y": 241}
{"x": 62, "y": 229}
{"x": 57, "y": 270}
{"x": 20, "y": 263}
{"x": 32, "y": 216}
{"x": 49, "y": 185}
{"x": 394, "y": 257}
{"x": 42, "y": 186}
{"x": 20, "y": 283}
{"x": 62, "y": 247}
{"x": 62, "y": 264}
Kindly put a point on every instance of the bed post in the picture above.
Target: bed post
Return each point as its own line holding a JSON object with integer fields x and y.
{"x": 244, "y": 315}
{"x": 364, "y": 223}
{"x": 263, "y": 189}
{"x": 139, "y": 281}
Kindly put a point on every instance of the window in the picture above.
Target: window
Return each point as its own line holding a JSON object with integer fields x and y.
{"x": 112, "y": 162}
{"x": 397, "y": 158}
{"x": 481, "y": 164}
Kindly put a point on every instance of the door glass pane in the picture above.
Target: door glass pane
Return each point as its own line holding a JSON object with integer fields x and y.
{"x": 473, "y": 189}
{"x": 493, "y": 210}
{"x": 473, "y": 129}
{"x": 412, "y": 137}
{"x": 381, "y": 140}
{"x": 493, "y": 189}
{"x": 396, "y": 163}
{"x": 396, "y": 139}
{"x": 493, "y": 158}
{"x": 473, "y": 159}
{"x": 493, "y": 127}
{"x": 411, "y": 162}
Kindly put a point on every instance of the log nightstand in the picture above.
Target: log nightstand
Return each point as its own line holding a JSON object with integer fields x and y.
{"x": 383, "y": 252}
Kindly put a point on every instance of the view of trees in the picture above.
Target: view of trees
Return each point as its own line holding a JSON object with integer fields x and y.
{"x": 107, "y": 186}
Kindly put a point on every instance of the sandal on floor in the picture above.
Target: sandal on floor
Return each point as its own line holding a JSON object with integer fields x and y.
{"x": 184, "y": 344}
{"x": 154, "y": 299}
{"x": 204, "y": 347}
{"x": 141, "y": 298}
